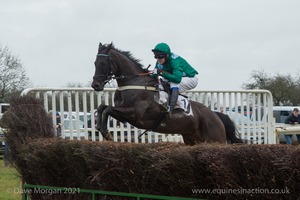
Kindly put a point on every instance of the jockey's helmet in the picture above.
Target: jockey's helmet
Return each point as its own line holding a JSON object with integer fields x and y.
{"x": 161, "y": 48}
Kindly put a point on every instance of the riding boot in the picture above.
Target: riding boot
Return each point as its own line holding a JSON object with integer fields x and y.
{"x": 173, "y": 98}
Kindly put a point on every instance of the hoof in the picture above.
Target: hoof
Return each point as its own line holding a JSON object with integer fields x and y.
{"x": 98, "y": 127}
{"x": 107, "y": 135}
{"x": 163, "y": 108}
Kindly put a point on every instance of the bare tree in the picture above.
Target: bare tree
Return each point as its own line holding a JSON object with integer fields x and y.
{"x": 74, "y": 85}
{"x": 284, "y": 88}
{"x": 13, "y": 78}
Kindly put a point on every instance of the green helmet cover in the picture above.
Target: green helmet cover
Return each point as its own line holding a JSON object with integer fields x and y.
{"x": 162, "y": 47}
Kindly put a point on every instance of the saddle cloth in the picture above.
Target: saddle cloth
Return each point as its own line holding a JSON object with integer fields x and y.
{"x": 182, "y": 102}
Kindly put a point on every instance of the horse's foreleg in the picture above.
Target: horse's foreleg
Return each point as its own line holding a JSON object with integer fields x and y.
{"x": 102, "y": 126}
{"x": 99, "y": 115}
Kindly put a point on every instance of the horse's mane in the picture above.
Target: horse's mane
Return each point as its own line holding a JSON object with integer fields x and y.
{"x": 129, "y": 55}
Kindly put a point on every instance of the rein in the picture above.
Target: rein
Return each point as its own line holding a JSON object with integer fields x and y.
{"x": 110, "y": 76}
{"x": 134, "y": 75}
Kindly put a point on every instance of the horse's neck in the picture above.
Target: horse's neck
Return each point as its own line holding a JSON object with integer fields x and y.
{"x": 129, "y": 70}
{"x": 125, "y": 66}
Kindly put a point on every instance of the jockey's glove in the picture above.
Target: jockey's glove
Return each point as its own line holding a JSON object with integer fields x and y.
{"x": 157, "y": 71}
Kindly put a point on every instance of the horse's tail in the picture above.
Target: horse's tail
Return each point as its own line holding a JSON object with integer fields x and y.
{"x": 229, "y": 128}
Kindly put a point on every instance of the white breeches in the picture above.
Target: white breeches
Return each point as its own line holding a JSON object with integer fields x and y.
{"x": 187, "y": 83}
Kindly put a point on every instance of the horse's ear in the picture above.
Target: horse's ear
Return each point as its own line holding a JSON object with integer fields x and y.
{"x": 108, "y": 48}
{"x": 100, "y": 46}
{"x": 110, "y": 45}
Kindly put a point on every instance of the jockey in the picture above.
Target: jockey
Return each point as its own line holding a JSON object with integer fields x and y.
{"x": 175, "y": 70}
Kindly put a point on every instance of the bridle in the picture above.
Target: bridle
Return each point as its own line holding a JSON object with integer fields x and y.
{"x": 109, "y": 73}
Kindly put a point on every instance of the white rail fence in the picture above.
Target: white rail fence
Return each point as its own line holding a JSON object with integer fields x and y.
{"x": 286, "y": 129}
{"x": 251, "y": 110}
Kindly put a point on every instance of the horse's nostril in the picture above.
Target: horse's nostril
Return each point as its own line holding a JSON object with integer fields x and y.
{"x": 95, "y": 85}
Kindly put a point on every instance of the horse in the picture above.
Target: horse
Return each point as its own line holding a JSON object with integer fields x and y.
{"x": 136, "y": 102}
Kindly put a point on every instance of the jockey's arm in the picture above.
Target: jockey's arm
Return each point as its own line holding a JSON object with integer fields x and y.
{"x": 174, "y": 77}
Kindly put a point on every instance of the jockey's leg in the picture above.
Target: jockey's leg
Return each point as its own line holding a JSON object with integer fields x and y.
{"x": 173, "y": 97}
{"x": 188, "y": 83}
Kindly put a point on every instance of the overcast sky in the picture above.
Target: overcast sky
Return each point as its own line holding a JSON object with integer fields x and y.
{"x": 225, "y": 40}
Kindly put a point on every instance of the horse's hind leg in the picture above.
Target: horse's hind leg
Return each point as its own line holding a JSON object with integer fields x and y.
{"x": 120, "y": 114}
{"x": 190, "y": 139}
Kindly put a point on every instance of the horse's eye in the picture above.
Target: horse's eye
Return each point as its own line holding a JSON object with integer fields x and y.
{"x": 102, "y": 63}
{"x": 99, "y": 63}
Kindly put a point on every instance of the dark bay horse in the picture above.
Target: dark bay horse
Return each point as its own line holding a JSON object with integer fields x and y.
{"x": 136, "y": 102}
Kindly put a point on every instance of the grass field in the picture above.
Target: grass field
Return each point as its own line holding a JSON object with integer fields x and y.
{"x": 10, "y": 182}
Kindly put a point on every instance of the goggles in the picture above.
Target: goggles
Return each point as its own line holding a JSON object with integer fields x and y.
{"x": 159, "y": 56}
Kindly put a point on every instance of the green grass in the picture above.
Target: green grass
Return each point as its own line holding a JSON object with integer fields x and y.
{"x": 10, "y": 182}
